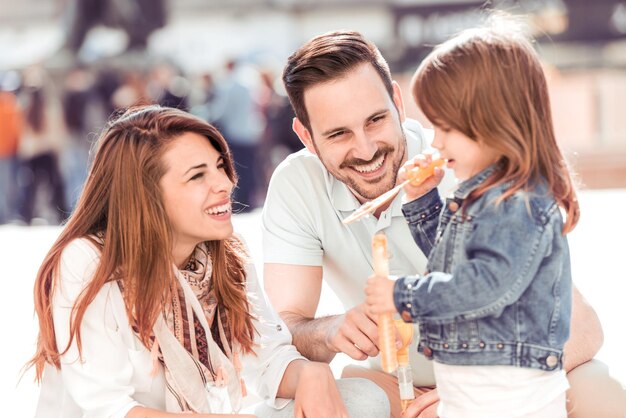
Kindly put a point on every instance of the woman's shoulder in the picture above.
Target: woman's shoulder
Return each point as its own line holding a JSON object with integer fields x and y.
{"x": 240, "y": 247}
{"x": 84, "y": 248}
{"x": 79, "y": 259}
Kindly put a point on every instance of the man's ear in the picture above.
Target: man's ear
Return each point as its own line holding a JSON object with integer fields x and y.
{"x": 304, "y": 135}
{"x": 397, "y": 99}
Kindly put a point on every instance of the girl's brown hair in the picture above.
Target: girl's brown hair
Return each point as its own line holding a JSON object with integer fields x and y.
{"x": 122, "y": 201}
{"x": 488, "y": 84}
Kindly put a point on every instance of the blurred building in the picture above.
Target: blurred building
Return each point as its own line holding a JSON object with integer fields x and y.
{"x": 582, "y": 43}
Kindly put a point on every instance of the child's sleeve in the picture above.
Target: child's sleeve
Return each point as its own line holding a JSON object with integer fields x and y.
{"x": 422, "y": 214}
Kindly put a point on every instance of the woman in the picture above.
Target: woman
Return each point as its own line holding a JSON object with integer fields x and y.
{"x": 148, "y": 305}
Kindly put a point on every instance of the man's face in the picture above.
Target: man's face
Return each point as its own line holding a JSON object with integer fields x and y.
{"x": 356, "y": 131}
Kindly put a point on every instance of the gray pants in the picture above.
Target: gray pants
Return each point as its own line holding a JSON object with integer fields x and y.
{"x": 362, "y": 397}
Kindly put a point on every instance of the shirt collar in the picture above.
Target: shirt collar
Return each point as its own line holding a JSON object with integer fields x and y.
{"x": 469, "y": 185}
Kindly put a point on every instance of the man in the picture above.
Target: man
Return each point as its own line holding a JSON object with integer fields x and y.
{"x": 350, "y": 117}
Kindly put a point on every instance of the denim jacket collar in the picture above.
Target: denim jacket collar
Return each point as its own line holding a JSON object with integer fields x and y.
{"x": 469, "y": 185}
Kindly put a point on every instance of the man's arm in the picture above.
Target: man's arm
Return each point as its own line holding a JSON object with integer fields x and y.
{"x": 586, "y": 336}
{"x": 294, "y": 291}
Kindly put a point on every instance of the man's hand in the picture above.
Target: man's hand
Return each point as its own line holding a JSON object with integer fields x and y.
{"x": 424, "y": 406}
{"x": 354, "y": 333}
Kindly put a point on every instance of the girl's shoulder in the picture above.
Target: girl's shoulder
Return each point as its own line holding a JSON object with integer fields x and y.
{"x": 536, "y": 200}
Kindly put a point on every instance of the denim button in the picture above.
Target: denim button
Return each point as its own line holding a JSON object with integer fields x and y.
{"x": 499, "y": 346}
{"x": 551, "y": 361}
{"x": 481, "y": 344}
{"x": 453, "y": 206}
{"x": 408, "y": 305}
{"x": 446, "y": 345}
{"x": 428, "y": 352}
{"x": 464, "y": 345}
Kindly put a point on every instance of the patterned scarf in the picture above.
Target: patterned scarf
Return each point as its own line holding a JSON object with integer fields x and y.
{"x": 194, "y": 345}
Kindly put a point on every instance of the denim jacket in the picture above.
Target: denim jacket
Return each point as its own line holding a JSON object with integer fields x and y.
{"x": 498, "y": 288}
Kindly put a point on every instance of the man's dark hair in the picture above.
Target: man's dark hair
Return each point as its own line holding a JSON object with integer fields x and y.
{"x": 328, "y": 57}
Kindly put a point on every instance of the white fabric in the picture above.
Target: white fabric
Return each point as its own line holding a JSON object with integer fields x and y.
{"x": 114, "y": 374}
{"x": 184, "y": 370}
{"x": 302, "y": 226}
{"x": 499, "y": 392}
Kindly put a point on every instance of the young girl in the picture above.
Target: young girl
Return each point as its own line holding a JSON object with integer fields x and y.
{"x": 143, "y": 301}
{"x": 494, "y": 306}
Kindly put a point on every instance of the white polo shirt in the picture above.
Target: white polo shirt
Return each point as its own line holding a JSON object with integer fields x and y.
{"x": 302, "y": 225}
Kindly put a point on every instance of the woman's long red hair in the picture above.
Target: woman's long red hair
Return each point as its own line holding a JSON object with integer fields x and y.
{"x": 122, "y": 200}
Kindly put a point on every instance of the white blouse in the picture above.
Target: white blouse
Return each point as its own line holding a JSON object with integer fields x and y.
{"x": 114, "y": 374}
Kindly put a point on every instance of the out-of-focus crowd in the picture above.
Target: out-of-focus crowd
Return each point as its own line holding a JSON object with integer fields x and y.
{"x": 49, "y": 120}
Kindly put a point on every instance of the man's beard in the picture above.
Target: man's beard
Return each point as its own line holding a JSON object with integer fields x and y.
{"x": 377, "y": 187}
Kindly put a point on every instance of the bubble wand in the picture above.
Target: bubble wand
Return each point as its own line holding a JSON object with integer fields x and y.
{"x": 386, "y": 327}
{"x": 405, "y": 375}
{"x": 415, "y": 177}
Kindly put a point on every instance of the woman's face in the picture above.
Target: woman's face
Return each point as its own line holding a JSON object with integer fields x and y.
{"x": 196, "y": 192}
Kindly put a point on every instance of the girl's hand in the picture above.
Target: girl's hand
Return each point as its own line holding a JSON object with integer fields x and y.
{"x": 317, "y": 395}
{"x": 379, "y": 295}
{"x": 413, "y": 191}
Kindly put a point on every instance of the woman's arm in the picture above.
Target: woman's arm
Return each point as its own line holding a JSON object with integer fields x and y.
{"x": 277, "y": 370}
{"x": 99, "y": 379}
{"x": 273, "y": 352}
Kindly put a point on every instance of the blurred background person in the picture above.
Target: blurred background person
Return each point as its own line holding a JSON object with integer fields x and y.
{"x": 138, "y": 18}
{"x": 40, "y": 178}
{"x": 167, "y": 86}
{"x": 82, "y": 115}
{"x": 237, "y": 113}
{"x": 10, "y": 132}
{"x": 278, "y": 139}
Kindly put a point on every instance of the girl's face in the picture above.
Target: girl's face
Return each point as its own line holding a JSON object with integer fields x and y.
{"x": 196, "y": 192}
{"x": 465, "y": 156}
